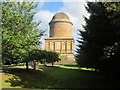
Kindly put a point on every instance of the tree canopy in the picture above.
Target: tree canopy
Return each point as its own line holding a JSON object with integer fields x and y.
{"x": 43, "y": 57}
{"x": 101, "y": 33}
{"x": 19, "y": 32}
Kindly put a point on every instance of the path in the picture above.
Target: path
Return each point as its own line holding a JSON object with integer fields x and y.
{"x": 9, "y": 68}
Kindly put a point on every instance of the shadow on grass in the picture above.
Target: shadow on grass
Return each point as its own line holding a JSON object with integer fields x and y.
{"x": 24, "y": 78}
{"x": 56, "y": 77}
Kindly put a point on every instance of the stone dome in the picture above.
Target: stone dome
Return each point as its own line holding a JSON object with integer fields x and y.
{"x": 60, "y": 26}
{"x": 60, "y": 17}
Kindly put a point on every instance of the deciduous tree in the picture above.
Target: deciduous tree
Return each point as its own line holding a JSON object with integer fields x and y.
{"x": 19, "y": 33}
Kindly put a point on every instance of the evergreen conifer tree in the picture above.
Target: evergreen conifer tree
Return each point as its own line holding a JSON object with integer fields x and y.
{"x": 99, "y": 32}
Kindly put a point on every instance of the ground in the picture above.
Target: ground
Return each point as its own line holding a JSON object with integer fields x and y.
{"x": 61, "y": 76}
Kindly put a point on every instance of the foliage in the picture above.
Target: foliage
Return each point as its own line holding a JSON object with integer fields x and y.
{"x": 100, "y": 35}
{"x": 114, "y": 10}
{"x": 43, "y": 56}
{"x": 19, "y": 33}
{"x": 62, "y": 57}
{"x": 35, "y": 55}
{"x": 52, "y": 57}
{"x": 111, "y": 52}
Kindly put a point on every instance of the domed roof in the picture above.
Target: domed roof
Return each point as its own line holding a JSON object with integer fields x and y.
{"x": 60, "y": 17}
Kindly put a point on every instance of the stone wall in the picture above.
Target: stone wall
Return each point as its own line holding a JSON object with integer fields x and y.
{"x": 60, "y": 29}
{"x": 62, "y": 46}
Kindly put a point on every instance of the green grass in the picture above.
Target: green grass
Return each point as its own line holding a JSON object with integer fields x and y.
{"x": 76, "y": 67}
{"x": 65, "y": 76}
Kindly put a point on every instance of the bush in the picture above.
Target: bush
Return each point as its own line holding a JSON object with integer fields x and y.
{"x": 62, "y": 57}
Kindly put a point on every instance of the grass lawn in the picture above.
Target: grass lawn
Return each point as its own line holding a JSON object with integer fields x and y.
{"x": 65, "y": 76}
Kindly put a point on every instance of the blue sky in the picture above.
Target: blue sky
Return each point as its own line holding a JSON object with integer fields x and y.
{"x": 52, "y": 6}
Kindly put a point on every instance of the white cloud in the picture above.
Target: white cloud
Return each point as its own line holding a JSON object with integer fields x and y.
{"x": 40, "y": 5}
{"x": 44, "y": 17}
{"x": 75, "y": 11}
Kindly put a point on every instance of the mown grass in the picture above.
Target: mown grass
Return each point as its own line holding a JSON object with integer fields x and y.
{"x": 55, "y": 77}
{"x": 76, "y": 67}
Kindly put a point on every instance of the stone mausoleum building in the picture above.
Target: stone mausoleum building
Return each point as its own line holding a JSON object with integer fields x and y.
{"x": 60, "y": 39}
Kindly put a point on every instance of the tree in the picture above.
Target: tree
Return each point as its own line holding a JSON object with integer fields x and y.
{"x": 19, "y": 33}
{"x": 52, "y": 57}
{"x": 43, "y": 57}
{"x": 99, "y": 33}
{"x": 34, "y": 56}
{"x": 112, "y": 51}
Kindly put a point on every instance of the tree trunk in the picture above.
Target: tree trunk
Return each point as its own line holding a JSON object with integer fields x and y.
{"x": 27, "y": 67}
{"x": 45, "y": 64}
{"x": 52, "y": 64}
{"x": 34, "y": 65}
